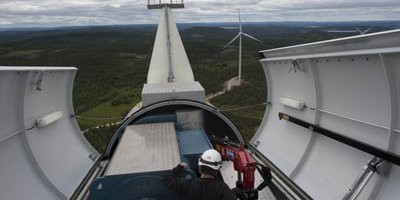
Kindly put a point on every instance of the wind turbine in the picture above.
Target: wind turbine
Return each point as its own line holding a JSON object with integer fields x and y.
{"x": 239, "y": 35}
{"x": 365, "y": 31}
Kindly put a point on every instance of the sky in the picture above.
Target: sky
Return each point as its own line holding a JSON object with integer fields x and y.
{"x": 44, "y": 13}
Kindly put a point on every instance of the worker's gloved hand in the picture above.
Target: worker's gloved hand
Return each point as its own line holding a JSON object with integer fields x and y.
{"x": 184, "y": 165}
{"x": 179, "y": 169}
{"x": 240, "y": 194}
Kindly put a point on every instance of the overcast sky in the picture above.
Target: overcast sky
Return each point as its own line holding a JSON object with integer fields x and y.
{"x": 30, "y": 13}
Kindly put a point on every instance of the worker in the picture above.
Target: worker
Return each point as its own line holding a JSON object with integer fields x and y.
{"x": 207, "y": 187}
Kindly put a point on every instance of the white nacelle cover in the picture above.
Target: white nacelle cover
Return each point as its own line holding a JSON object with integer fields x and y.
{"x": 158, "y": 92}
{"x": 43, "y": 162}
{"x": 350, "y": 86}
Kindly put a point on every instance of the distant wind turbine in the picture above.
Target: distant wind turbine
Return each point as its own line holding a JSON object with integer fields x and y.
{"x": 239, "y": 35}
{"x": 363, "y": 32}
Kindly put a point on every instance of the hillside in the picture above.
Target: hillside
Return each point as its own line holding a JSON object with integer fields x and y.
{"x": 112, "y": 64}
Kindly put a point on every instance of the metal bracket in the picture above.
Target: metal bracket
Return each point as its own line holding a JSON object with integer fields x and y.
{"x": 296, "y": 66}
{"x": 38, "y": 82}
{"x": 92, "y": 157}
{"x": 383, "y": 168}
{"x": 257, "y": 143}
{"x": 361, "y": 182}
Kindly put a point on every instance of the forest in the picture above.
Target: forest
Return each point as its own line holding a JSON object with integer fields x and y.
{"x": 113, "y": 61}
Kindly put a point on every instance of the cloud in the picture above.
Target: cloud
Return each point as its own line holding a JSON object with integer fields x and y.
{"x": 103, "y": 12}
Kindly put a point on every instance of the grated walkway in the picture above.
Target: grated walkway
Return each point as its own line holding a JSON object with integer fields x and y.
{"x": 146, "y": 148}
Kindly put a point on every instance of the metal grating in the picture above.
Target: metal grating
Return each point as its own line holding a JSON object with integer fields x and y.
{"x": 146, "y": 148}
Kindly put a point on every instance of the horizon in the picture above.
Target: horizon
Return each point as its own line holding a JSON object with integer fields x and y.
{"x": 292, "y": 23}
{"x": 66, "y": 13}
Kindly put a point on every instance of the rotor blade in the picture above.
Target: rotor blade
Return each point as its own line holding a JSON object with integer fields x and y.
{"x": 232, "y": 41}
{"x": 251, "y": 37}
{"x": 240, "y": 18}
{"x": 359, "y": 30}
{"x": 366, "y": 31}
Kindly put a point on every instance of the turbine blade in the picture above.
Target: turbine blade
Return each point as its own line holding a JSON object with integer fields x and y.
{"x": 240, "y": 18}
{"x": 236, "y": 37}
{"x": 251, "y": 37}
{"x": 359, "y": 30}
{"x": 366, "y": 31}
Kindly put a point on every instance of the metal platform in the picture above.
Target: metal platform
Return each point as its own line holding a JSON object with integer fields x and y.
{"x": 146, "y": 148}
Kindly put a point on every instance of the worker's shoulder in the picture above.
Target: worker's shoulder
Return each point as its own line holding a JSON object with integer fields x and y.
{"x": 213, "y": 182}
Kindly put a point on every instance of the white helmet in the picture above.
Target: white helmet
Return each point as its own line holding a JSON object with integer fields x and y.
{"x": 211, "y": 158}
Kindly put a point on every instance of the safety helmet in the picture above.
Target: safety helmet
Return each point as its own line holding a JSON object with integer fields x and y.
{"x": 211, "y": 158}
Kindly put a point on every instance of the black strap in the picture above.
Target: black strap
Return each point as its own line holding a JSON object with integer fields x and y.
{"x": 209, "y": 162}
{"x": 278, "y": 194}
{"x": 265, "y": 174}
{"x": 385, "y": 155}
{"x": 240, "y": 194}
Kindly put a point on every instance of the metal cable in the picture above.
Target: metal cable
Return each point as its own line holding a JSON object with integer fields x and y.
{"x": 223, "y": 110}
{"x": 34, "y": 126}
{"x": 241, "y": 108}
{"x": 96, "y": 118}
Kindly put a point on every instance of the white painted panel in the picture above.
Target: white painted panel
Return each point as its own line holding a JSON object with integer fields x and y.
{"x": 330, "y": 169}
{"x": 397, "y": 145}
{"x": 64, "y": 158}
{"x": 355, "y": 87}
{"x": 281, "y": 143}
{"x": 393, "y": 61}
{"x": 44, "y": 162}
{"x": 299, "y": 86}
{"x": 10, "y": 87}
{"x": 278, "y": 148}
{"x": 390, "y": 187}
{"x": 356, "y": 98}
{"x": 370, "y": 134}
{"x": 18, "y": 178}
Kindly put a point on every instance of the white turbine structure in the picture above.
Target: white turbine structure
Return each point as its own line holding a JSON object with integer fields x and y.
{"x": 169, "y": 61}
{"x": 239, "y": 35}
{"x": 365, "y": 31}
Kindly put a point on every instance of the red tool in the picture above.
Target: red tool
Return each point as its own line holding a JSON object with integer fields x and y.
{"x": 245, "y": 166}
{"x": 242, "y": 161}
